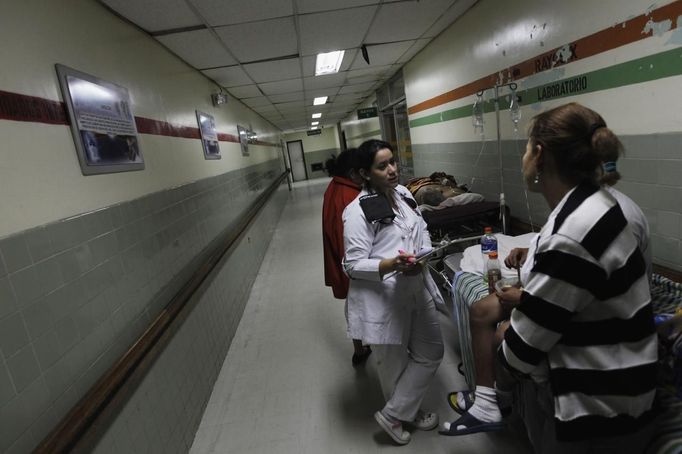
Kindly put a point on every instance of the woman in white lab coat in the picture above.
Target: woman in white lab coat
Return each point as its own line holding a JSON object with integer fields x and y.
{"x": 391, "y": 297}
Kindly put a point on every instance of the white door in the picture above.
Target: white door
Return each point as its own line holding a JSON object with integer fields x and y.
{"x": 296, "y": 159}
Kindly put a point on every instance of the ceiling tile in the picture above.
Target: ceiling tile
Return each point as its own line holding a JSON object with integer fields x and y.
{"x": 383, "y": 54}
{"x": 282, "y": 86}
{"x": 156, "y": 15}
{"x": 295, "y": 96}
{"x": 245, "y": 91}
{"x": 343, "y": 29}
{"x": 347, "y": 97}
{"x": 270, "y": 71}
{"x": 295, "y": 106}
{"x": 260, "y": 40}
{"x": 326, "y": 81}
{"x": 313, "y": 6}
{"x": 359, "y": 88}
{"x": 220, "y": 12}
{"x": 199, "y": 48}
{"x": 310, "y": 95}
{"x": 231, "y": 76}
{"x": 258, "y": 101}
{"x": 405, "y": 20}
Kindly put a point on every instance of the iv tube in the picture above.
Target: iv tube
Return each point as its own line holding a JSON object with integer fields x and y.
{"x": 477, "y": 117}
{"x": 515, "y": 108}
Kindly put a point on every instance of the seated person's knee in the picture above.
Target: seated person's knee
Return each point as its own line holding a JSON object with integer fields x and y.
{"x": 485, "y": 311}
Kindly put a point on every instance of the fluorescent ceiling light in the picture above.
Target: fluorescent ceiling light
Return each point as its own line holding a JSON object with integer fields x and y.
{"x": 328, "y": 63}
{"x": 314, "y": 128}
{"x": 315, "y": 123}
{"x": 320, "y": 100}
{"x": 317, "y": 115}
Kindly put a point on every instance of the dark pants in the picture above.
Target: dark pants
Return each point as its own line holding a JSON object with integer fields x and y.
{"x": 536, "y": 407}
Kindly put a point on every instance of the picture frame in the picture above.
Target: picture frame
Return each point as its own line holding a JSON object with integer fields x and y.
{"x": 209, "y": 136}
{"x": 102, "y": 123}
{"x": 243, "y": 139}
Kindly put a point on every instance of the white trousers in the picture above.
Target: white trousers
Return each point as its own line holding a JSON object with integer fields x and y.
{"x": 405, "y": 371}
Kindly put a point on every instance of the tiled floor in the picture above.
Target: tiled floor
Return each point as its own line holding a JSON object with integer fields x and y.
{"x": 287, "y": 385}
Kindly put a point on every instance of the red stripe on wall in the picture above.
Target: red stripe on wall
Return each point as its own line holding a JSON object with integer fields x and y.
{"x": 618, "y": 35}
{"x": 14, "y": 106}
{"x": 17, "y": 107}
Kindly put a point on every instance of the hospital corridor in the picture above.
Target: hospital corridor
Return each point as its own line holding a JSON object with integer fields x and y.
{"x": 340, "y": 226}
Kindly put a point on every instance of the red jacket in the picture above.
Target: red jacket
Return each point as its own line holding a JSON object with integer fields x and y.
{"x": 339, "y": 193}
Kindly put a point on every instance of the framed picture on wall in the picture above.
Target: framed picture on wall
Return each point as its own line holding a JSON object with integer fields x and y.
{"x": 243, "y": 139}
{"x": 102, "y": 123}
{"x": 209, "y": 137}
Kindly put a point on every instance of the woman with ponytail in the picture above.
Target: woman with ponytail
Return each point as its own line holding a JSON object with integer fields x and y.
{"x": 583, "y": 328}
{"x": 343, "y": 188}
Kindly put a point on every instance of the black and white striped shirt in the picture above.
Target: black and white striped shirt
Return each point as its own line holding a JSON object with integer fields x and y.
{"x": 586, "y": 311}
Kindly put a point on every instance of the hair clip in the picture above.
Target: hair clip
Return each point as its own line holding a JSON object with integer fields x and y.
{"x": 609, "y": 166}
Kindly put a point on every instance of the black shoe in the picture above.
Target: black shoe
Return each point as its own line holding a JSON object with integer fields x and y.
{"x": 360, "y": 358}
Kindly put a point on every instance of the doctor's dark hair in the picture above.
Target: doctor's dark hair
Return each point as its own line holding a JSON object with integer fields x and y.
{"x": 364, "y": 157}
{"x": 341, "y": 165}
{"x": 580, "y": 143}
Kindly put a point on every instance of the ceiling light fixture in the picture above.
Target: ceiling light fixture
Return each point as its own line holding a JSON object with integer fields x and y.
{"x": 317, "y": 115}
{"x": 320, "y": 100}
{"x": 328, "y": 63}
{"x": 315, "y": 123}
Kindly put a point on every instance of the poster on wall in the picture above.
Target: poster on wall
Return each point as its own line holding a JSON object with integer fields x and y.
{"x": 102, "y": 123}
{"x": 209, "y": 138}
{"x": 243, "y": 139}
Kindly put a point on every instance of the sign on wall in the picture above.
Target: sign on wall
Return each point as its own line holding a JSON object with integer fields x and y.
{"x": 314, "y": 132}
{"x": 209, "y": 137}
{"x": 367, "y": 112}
{"x": 102, "y": 123}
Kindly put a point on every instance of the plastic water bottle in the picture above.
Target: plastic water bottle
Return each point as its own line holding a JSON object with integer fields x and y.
{"x": 488, "y": 242}
{"x": 493, "y": 271}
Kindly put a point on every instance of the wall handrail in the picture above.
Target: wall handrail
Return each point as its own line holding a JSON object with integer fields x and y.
{"x": 81, "y": 427}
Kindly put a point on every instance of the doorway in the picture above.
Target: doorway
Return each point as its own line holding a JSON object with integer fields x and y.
{"x": 297, "y": 160}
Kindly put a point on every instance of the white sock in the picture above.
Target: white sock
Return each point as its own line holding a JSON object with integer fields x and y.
{"x": 461, "y": 401}
{"x": 485, "y": 405}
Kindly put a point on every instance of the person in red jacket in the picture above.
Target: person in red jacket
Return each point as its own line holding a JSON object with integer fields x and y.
{"x": 343, "y": 188}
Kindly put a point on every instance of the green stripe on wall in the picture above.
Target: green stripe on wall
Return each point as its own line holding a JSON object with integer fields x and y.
{"x": 645, "y": 69}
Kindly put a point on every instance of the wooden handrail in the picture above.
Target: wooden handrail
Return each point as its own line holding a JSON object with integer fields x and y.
{"x": 83, "y": 424}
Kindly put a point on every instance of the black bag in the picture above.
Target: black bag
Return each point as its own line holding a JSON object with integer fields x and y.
{"x": 377, "y": 208}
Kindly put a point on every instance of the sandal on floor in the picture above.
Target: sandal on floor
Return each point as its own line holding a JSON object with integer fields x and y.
{"x": 360, "y": 358}
{"x": 467, "y": 424}
{"x": 468, "y": 401}
{"x": 393, "y": 429}
{"x": 425, "y": 420}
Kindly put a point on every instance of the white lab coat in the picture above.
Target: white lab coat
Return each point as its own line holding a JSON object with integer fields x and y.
{"x": 379, "y": 311}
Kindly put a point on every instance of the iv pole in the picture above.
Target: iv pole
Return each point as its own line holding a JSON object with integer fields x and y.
{"x": 496, "y": 102}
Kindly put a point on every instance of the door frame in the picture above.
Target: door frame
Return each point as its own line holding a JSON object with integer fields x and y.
{"x": 305, "y": 164}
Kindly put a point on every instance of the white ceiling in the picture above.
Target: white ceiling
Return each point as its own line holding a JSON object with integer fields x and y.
{"x": 263, "y": 51}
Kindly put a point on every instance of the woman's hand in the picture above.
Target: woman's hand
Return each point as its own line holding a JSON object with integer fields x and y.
{"x": 509, "y": 297}
{"x": 404, "y": 263}
{"x": 517, "y": 257}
